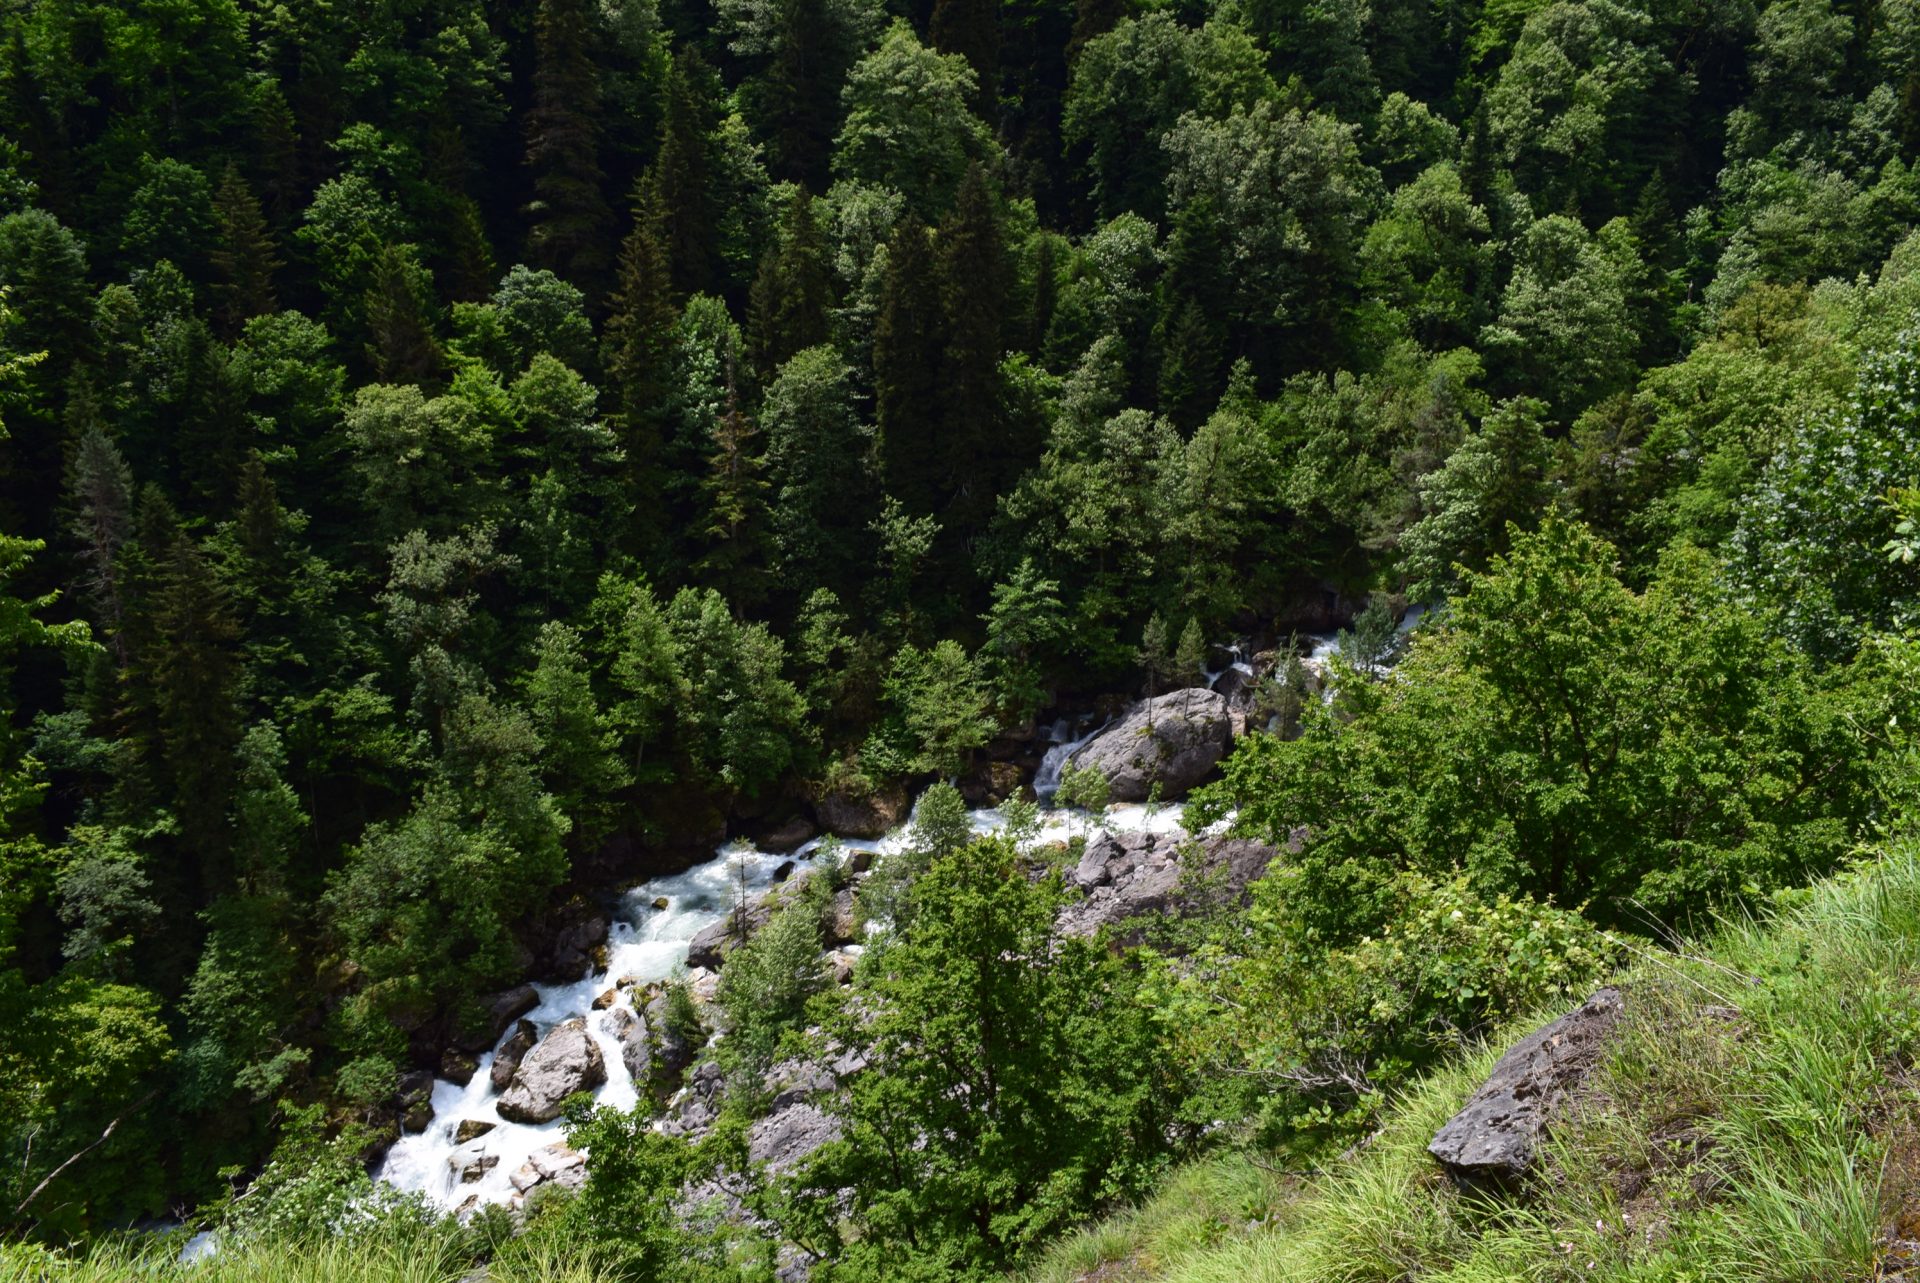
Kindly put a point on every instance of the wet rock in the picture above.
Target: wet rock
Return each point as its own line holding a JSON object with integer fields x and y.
{"x": 1175, "y": 741}
{"x": 570, "y": 933}
{"x": 661, "y": 902}
{"x": 566, "y": 1061}
{"x": 472, "y": 1167}
{"x": 629, "y": 1029}
{"x": 471, "y": 1129}
{"x": 496, "y": 1012}
{"x": 783, "y": 839}
{"x": 709, "y": 945}
{"x": 414, "y": 1096}
{"x": 672, "y": 1053}
{"x": 863, "y": 817}
{"x": 457, "y": 1066}
{"x": 785, "y": 871}
{"x": 1493, "y": 1137}
{"x": 843, "y": 927}
{"x": 606, "y": 998}
{"x": 507, "y": 1059}
{"x": 991, "y": 783}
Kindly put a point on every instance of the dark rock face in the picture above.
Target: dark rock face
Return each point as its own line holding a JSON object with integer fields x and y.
{"x": 566, "y": 1061}
{"x": 471, "y": 1129}
{"x": 575, "y": 930}
{"x": 1175, "y": 740}
{"x": 497, "y": 1012}
{"x": 864, "y": 817}
{"x": 507, "y": 1059}
{"x": 1492, "y": 1139}
{"x": 784, "y": 839}
{"x": 457, "y": 1066}
{"x": 1132, "y": 875}
{"x": 415, "y": 1098}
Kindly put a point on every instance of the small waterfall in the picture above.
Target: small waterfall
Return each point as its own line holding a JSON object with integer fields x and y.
{"x": 1046, "y": 780}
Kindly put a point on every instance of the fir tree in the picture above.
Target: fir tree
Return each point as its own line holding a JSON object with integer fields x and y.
{"x": 907, "y": 348}
{"x": 735, "y": 493}
{"x": 793, "y": 292}
{"x": 571, "y": 226}
{"x": 195, "y": 672}
{"x": 973, "y": 276}
{"x": 640, "y": 345}
{"x": 971, "y": 28}
{"x": 683, "y": 175}
{"x": 401, "y": 345}
{"x": 243, "y": 258}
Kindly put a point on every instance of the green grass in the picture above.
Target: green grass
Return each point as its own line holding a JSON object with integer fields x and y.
{"x": 1754, "y": 1120}
{"x": 424, "y": 1255}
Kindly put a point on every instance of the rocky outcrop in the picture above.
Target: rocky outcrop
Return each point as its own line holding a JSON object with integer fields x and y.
{"x": 629, "y": 1029}
{"x": 872, "y": 816}
{"x": 554, "y": 1165}
{"x": 415, "y": 1100}
{"x": 471, "y": 1129}
{"x": 507, "y": 1059}
{"x": 788, "y": 1137}
{"x": 566, "y": 1061}
{"x": 1494, "y": 1137}
{"x": 570, "y": 935}
{"x": 1125, "y": 876}
{"x": 1175, "y": 741}
{"x": 784, "y": 839}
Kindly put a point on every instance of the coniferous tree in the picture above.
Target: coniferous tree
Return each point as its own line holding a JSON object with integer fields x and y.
{"x": 907, "y": 347}
{"x": 735, "y": 492}
{"x": 973, "y": 274}
{"x": 788, "y": 306}
{"x": 243, "y": 258}
{"x": 401, "y": 345}
{"x": 682, "y": 175}
{"x": 640, "y": 345}
{"x": 571, "y": 228}
{"x": 971, "y": 28}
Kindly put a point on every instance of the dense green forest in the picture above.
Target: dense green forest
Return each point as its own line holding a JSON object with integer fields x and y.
{"x": 461, "y": 452}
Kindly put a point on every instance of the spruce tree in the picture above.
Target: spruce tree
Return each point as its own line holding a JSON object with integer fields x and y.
{"x": 683, "y": 175}
{"x": 971, "y": 28}
{"x": 974, "y": 276}
{"x": 789, "y": 305}
{"x": 907, "y": 348}
{"x": 640, "y": 346}
{"x": 401, "y": 346}
{"x": 571, "y": 231}
{"x": 243, "y": 258}
{"x": 100, "y": 500}
{"x": 736, "y": 520}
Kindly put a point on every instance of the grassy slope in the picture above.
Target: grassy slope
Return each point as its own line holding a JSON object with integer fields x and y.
{"x": 1756, "y": 1120}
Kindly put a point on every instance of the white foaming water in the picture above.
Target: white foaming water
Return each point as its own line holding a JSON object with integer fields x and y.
{"x": 647, "y": 944}
{"x": 1046, "y": 780}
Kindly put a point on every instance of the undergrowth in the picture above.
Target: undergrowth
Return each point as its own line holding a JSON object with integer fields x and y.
{"x": 1754, "y": 1119}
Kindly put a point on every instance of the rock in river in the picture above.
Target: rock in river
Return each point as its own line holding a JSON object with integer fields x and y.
{"x": 566, "y": 1061}
{"x": 1174, "y": 740}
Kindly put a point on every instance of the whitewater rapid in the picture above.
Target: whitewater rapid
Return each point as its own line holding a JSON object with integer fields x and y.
{"x": 644, "y": 944}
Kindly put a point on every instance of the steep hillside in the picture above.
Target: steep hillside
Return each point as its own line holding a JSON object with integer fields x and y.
{"x": 1753, "y": 1119}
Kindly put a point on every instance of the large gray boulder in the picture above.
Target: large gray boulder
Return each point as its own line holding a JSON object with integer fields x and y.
{"x": 1127, "y": 876}
{"x": 629, "y": 1029}
{"x": 1174, "y": 740}
{"x": 1493, "y": 1139}
{"x": 566, "y": 1061}
{"x": 506, "y": 1061}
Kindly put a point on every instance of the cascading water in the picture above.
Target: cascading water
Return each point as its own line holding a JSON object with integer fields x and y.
{"x": 648, "y": 944}
{"x": 1046, "y": 780}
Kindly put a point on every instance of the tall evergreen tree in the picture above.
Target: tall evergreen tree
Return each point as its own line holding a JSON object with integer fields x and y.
{"x": 907, "y": 348}
{"x": 971, "y": 28}
{"x": 683, "y": 174}
{"x": 974, "y": 278}
{"x": 735, "y": 492}
{"x": 571, "y": 231}
{"x": 243, "y": 258}
{"x": 793, "y": 292}
{"x": 401, "y": 346}
{"x": 640, "y": 345}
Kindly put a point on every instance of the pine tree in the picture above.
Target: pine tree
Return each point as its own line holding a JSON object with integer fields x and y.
{"x": 100, "y": 496}
{"x": 571, "y": 228}
{"x": 907, "y": 348}
{"x": 195, "y": 674}
{"x": 1191, "y": 333}
{"x": 789, "y": 304}
{"x": 243, "y": 258}
{"x": 1190, "y": 655}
